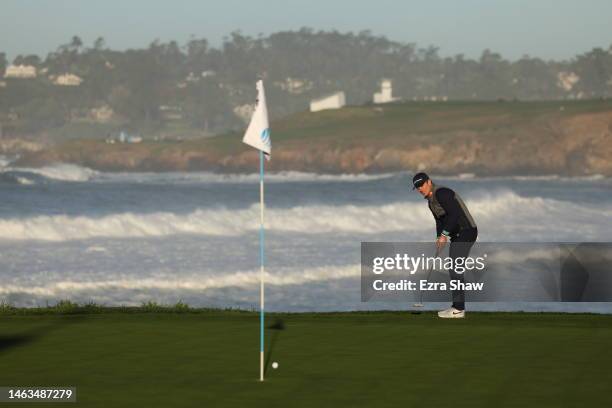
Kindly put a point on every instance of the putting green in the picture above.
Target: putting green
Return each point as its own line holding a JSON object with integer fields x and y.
{"x": 211, "y": 359}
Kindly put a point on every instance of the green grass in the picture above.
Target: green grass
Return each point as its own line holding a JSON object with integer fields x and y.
{"x": 181, "y": 357}
{"x": 402, "y": 123}
{"x": 375, "y": 124}
{"x": 80, "y": 130}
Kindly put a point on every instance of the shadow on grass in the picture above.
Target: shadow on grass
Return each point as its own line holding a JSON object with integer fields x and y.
{"x": 11, "y": 341}
{"x": 276, "y": 328}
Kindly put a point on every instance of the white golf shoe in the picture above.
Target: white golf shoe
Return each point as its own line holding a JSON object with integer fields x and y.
{"x": 452, "y": 313}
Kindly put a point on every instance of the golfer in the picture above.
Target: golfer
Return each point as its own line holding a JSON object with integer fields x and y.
{"x": 454, "y": 223}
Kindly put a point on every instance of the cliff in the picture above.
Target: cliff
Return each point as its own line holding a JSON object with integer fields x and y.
{"x": 485, "y": 138}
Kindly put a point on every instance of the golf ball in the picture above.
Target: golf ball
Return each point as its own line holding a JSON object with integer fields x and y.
{"x": 275, "y": 365}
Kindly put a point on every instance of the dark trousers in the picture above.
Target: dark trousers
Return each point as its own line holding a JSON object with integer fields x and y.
{"x": 460, "y": 247}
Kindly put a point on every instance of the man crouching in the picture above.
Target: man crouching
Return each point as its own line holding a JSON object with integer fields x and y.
{"x": 453, "y": 222}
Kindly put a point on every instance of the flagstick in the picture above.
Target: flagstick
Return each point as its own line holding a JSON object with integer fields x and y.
{"x": 257, "y": 135}
{"x": 261, "y": 257}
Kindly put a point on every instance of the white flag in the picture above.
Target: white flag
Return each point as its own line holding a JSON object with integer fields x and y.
{"x": 258, "y": 132}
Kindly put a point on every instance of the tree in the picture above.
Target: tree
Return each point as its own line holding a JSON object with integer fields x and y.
{"x": 3, "y": 62}
{"x": 145, "y": 80}
{"x": 75, "y": 44}
{"x": 197, "y": 55}
{"x": 533, "y": 78}
{"x": 595, "y": 71}
{"x": 40, "y": 114}
{"x": 206, "y": 106}
{"x": 65, "y": 58}
{"x": 495, "y": 78}
{"x": 32, "y": 59}
{"x": 99, "y": 44}
{"x": 136, "y": 82}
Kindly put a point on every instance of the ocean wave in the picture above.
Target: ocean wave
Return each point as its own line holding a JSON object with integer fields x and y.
{"x": 504, "y": 214}
{"x": 57, "y": 172}
{"x": 74, "y": 173}
{"x": 5, "y": 160}
{"x": 209, "y": 177}
{"x": 308, "y": 219}
{"x": 296, "y": 176}
{"x": 24, "y": 181}
{"x": 16, "y": 177}
{"x": 192, "y": 282}
{"x": 549, "y": 177}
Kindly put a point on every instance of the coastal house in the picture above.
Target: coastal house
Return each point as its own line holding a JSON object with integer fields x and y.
{"x": 126, "y": 138}
{"x": 192, "y": 77}
{"x": 171, "y": 112}
{"x": 20, "y": 71}
{"x": 294, "y": 86}
{"x": 244, "y": 112}
{"x": 386, "y": 93}
{"x": 102, "y": 114}
{"x": 567, "y": 80}
{"x": 432, "y": 98}
{"x": 67, "y": 80}
{"x": 334, "y": 101}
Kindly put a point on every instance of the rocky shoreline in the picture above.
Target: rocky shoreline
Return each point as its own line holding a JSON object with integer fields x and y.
{"x": 574, "y": 145}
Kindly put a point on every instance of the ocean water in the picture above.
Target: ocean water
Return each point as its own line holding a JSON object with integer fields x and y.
{"x": 68, "y": 232}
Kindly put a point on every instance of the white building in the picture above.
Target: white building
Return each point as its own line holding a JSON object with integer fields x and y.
{"x": 567, "y": 80}
{"x": 102, "y": 114}
{"x": 68, "y": 80}
{"x": 20, "y": 71}
{"x": 386, "y": 92}
{"x": 192, "y": 77}
{"x": 171, "y": 112}
{"x": 333, "y": 101}
{"x": 294, "y": 86}
{"x": 125, "y": 138}
{"x": 244, "y": 112}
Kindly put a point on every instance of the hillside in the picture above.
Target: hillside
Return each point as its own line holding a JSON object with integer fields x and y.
{"x": 485, "y": 138}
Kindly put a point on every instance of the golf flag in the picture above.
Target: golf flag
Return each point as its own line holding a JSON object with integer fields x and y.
{"x": 257, "y": 134}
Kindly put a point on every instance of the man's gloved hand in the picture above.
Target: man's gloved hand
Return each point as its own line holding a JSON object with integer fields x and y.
{"x": 441, "y": 241}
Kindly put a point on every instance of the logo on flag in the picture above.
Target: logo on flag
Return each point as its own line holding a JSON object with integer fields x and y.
{"x": 257, "y": 134}
{"x": 265, "y": 137}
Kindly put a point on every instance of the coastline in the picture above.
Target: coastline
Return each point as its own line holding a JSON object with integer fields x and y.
{"x": 485, "y": 139}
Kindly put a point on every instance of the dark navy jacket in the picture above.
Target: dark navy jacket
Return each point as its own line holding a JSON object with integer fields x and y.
{"x": 449, "y": 211}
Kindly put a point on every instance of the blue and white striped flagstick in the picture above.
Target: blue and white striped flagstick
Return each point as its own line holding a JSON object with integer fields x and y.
{"x": 261, "y": 257}
{"x": 257, "y": 135}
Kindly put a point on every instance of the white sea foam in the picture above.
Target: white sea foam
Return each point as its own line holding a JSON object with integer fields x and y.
{"x": 503, "y": 214}
{"x": 208, "y": 177}
{"x": 59, "y": 171}
{"x": 5, "y": 160}
{"x": 72, "y": 172}
{"x": 24, "y": 181}
{"x": 296, "y": 176}
{"x": 548, "y": 177}
{"x": 193, "y": 282}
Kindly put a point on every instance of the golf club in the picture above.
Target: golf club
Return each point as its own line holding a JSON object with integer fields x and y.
{"x": 420, "y": 303}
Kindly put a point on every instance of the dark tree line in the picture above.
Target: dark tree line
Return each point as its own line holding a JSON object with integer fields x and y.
{"x": 207, "y": 83}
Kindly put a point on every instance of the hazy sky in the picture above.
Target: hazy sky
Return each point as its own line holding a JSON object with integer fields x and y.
{"x": 551, "y": 29}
